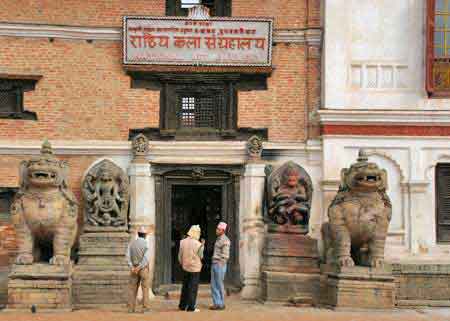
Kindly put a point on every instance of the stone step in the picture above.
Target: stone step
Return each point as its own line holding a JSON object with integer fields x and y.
{"x": 301, "y": 301}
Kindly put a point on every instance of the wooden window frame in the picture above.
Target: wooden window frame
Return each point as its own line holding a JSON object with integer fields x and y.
{"x": 222, "y": 8}
{"x": 19, "y": 85}
{"x": 431, "y": 61}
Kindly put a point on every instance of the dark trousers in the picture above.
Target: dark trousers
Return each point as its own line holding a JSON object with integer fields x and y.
{"x": 188, "y": 298}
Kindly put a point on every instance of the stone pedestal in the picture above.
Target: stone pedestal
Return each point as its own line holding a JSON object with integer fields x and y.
{"x": 420, "y": 284}
{"x": 47, "y": 287}
{"x": 357, "y": 287}
{"x": 101, "y": 276}
{"x": 291, "y": 266}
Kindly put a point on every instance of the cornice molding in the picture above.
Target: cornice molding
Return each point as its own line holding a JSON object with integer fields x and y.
{"x": 312, "y": 37}
{"x": 216, "y": 152}
{"x": 400, "y": 117}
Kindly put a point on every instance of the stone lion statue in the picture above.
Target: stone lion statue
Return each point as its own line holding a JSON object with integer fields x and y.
{"x": 358, "y": 216}
{"x": 44, "y": 211}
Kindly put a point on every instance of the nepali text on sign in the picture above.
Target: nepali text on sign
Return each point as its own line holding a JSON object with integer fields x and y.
{"x": 182, "y": 41}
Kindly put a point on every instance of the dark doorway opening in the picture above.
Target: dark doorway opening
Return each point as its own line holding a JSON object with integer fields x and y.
{"x": 195, "y": 205}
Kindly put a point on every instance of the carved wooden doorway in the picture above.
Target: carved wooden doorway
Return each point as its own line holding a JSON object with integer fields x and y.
{"x": 188, "y": 195}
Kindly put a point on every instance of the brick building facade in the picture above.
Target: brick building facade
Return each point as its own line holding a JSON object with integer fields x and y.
{"x": 83, "y": 101}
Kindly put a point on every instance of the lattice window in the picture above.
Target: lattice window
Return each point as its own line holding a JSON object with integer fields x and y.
{"x": 443, "y": 202}
{"x": 438, "y": 47}
{"x": 220, "y": 8}
{"x": 199, "y": 111}
{"x": 10, "y": 100}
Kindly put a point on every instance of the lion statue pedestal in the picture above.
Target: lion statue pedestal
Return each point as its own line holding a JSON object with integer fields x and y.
{"x": 354, "y": 238}
{"x": 44, "y": 214}
{"x": 290, "y": 270}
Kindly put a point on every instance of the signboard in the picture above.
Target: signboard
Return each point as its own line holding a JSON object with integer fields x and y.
{"x": 184, "y": 41}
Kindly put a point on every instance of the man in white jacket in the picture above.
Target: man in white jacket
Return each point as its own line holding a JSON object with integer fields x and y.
{"x": 190, "y": 257}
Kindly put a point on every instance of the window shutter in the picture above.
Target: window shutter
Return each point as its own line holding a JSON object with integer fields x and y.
{"x": 431, "y": 5}
{"x": 443, "y": 202}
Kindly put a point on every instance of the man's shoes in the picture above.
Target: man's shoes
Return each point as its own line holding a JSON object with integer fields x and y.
{"x": 146, "y": 310}
{"x": 217, "y": 307}
{"x": 131, "y": 311}
{"x": 196, "y": 310}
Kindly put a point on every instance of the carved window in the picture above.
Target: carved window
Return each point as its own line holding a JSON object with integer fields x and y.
{"x": 438, "y": 48}
{"x": 11, "y": 98}
{"x": 219, "y": 8}
{"x": 193, "y": 107}
{"x": 443, "y": 202}
{"x": 200, "y": 111}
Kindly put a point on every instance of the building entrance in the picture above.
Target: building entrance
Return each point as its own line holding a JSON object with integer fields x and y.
{"x": 195, "y": 205}
{"x": 189, "y": 195}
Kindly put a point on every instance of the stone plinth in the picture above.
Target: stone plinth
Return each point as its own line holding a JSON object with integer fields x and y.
{"x": 291, "y": 266}
{"x": 101, "y": 276}
{"x": 357, "y": 287}
{"x": 46, "y": 286}
{"x": 422, "y": 284}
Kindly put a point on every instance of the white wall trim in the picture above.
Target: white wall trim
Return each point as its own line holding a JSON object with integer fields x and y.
{"x": 425, "y": 117}
{"x": 219, "y": 152}
{"x": 309, "y": 36}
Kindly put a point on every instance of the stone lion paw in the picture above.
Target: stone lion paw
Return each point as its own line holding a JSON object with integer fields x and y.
{"x": 59, "y": 260}
{"x": 376, "y": 262}
{"x": 24, "y": 259}
{"x": 346, "y": 261}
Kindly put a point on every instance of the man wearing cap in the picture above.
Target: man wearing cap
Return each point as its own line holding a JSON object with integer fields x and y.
{"x": 190, "y": 257}
{"x": 138, "y": 261}
{"x": 219, "y": 267}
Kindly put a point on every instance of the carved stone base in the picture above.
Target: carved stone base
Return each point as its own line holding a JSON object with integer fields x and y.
{"x": 422, "y": 284}
{"x": 284, "y": 287}
{"x": 357, "y": 287}
{"x": 101, "y": 276}
{"x": 291, "y": 266}
{"x": 47, "y": 287}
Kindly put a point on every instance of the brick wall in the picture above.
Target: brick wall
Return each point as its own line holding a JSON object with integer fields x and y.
{"x": 85, "y": 94}
{"x": 108, "y": 13}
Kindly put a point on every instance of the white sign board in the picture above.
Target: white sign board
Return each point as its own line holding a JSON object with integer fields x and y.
{"x": 184, "y": 41}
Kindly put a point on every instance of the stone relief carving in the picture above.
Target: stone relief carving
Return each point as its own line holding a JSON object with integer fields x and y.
{"x": 106, "y": 194}
{"x": 358, "y": 216}
{"x": 44, "y": 212}
{"x": 140, "y": 145}
{"x": 289, "y": 195}
{"x": 254, "y": 147}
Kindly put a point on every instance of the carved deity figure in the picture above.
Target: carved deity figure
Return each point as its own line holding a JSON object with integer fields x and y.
{"x": 44, "y": 212}
{"x": 289, "y": 195}
{"x": 254, "y": 147}
{"x": 106, "y": 193}
{"x": 359, "y": 217}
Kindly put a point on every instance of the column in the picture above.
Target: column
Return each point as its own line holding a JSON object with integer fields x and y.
{"x": 142, "y": 198}
{"x": 420, "y": 220}
{"x": 253, "y": 229}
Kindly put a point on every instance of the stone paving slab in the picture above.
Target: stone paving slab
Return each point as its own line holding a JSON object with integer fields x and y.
{"x": 236, "y": 310}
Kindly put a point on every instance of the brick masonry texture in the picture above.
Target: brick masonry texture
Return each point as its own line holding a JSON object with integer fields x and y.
{"x": 84, "y": 92}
